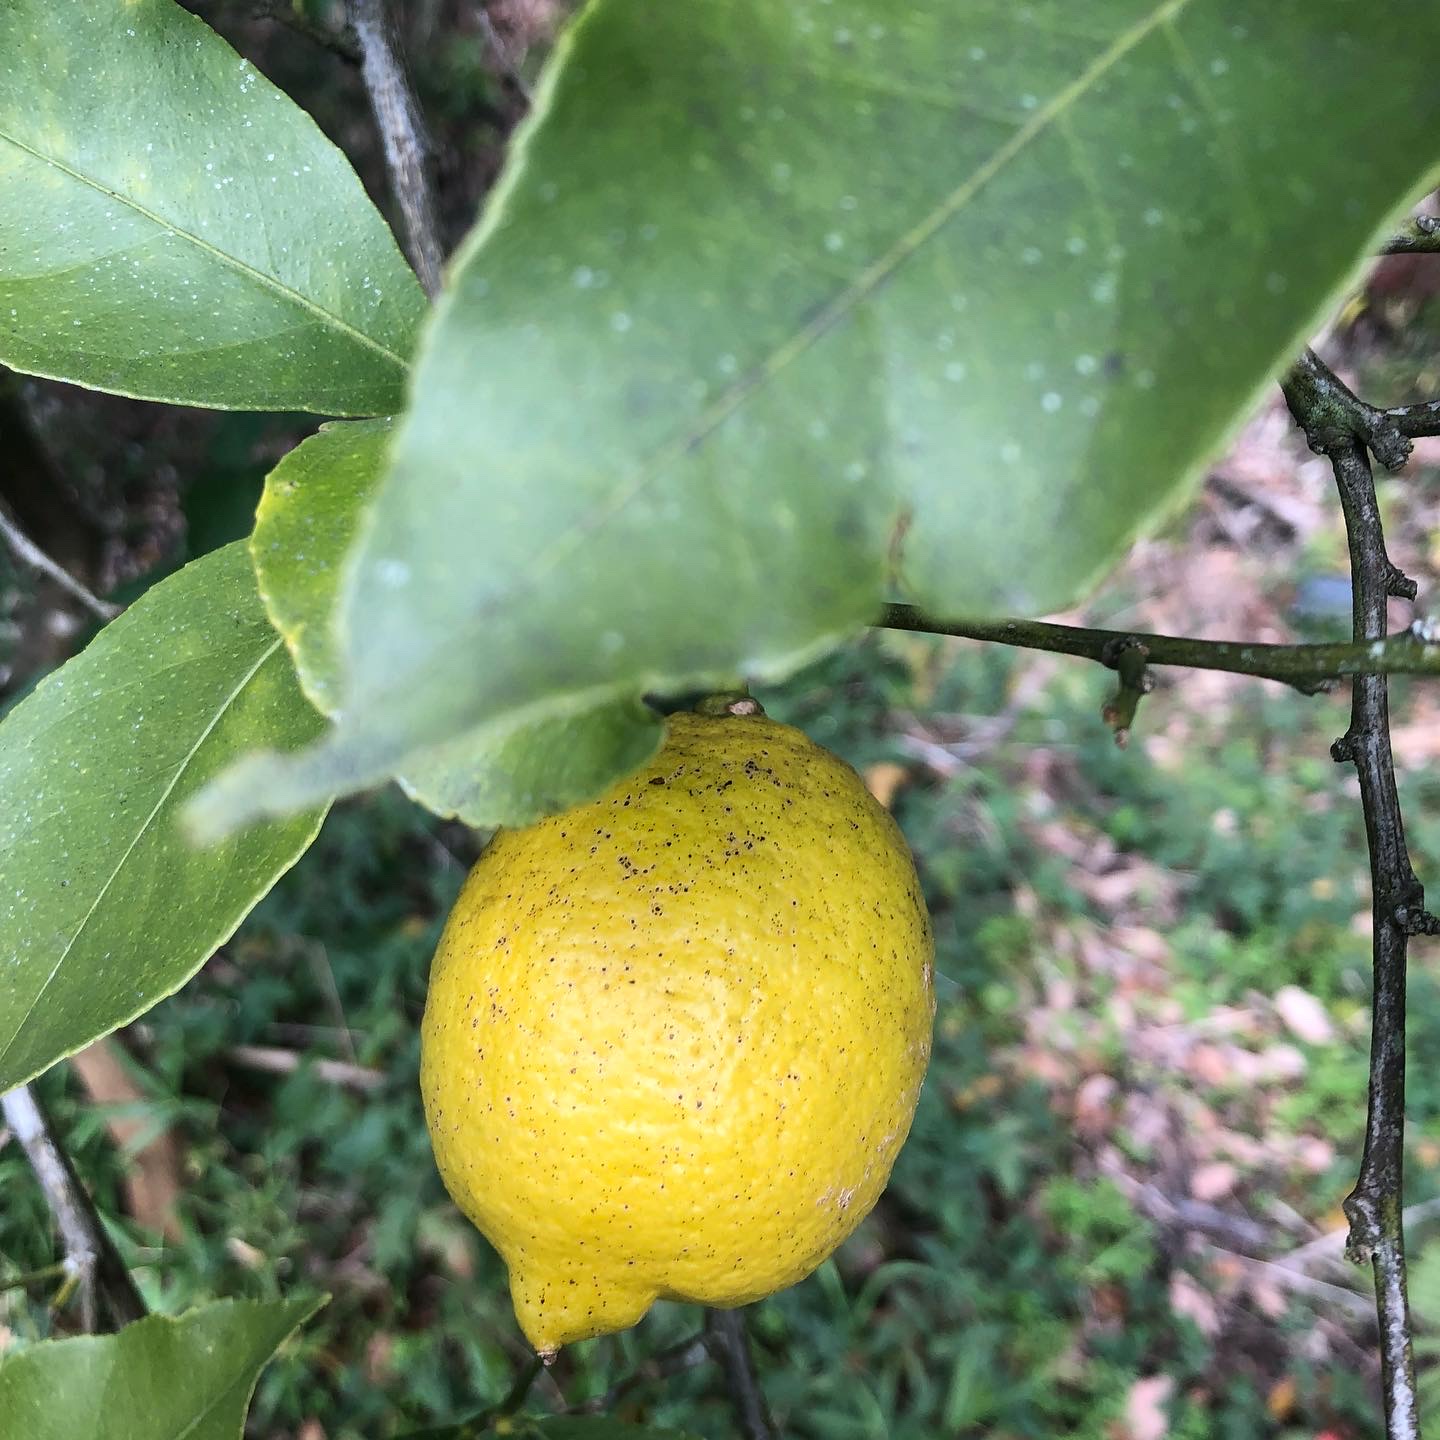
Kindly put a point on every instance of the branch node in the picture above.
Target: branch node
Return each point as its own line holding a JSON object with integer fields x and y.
{"x": 1398, "y": 583}
{"x": 1342, "y": 749}
{"x": 1366, "y": 1231}
{"x": 1128, "y": 657}
{"x": 1417, "y": 920}
{"x": 1333, "y": 417}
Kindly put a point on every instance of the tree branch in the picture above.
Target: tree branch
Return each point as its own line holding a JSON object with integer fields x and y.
{"x": 1416, "y": 420}
{"x": 1309, "y": 668}
{"x": 91, "y": 1259}
{"x": 402, "y": 132}
{"x": 686, "y": 1354}
{"x": 728, "y": 1342}
{"x": 29, "y": 553}
{"x": 1335, "y": 412}
{"x": 285, "y": 12}
{"x": 1397, "y": 899}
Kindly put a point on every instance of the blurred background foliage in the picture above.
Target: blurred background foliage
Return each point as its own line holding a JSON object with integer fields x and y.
{"x": 1117, "y": 1215}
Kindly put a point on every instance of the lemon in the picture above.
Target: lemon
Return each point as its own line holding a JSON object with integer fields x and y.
{"x": 674, "y": 1037}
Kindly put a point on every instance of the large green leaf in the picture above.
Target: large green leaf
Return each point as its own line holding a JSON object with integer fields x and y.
{"x": 782, "y": 305}
{"x": 314, "y": 502}
{"x": 161, "y": 1378}
{"x": 105, "y": 909}
{"x": 173, "y": 227}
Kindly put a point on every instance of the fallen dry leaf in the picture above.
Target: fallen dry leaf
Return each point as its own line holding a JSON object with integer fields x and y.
{"x": 1213, "y": 1181}
{"x": 1194, "y": 1303}
{"x": 884, "y": 780}
{"x": 1280, "y": 1402}
{"x": 1145, "y": 1408}
{"x": 1303, "y": 1015}
{"x": 152, "y": 1180}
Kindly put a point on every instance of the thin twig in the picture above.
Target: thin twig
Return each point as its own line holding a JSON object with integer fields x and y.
{"x": 42, "y": 1276}
{"x": 402, "y": 132}
{"x": 275, "y": 1061}
{"x": 340, "y": 42}
{"x": 1373, "y": 1208}
{"x": 482, "y": 1424}
{"x": 324, "y": 972}
{"x": 501, "y": 51}
{"x": 1180, "y": 1212}
{"x": 27, "y": 551}
{"x": 1331, "y": 1245}
{"x": 1308, "y": 668}
{"x": 1416, "y": 420}
{"x": 1334, "y": 1296}
{"x": 90, "y": 1256}
{"x": 1341, "y": 428}
{"x": 728, "y": 1342}
{"x": 685, "y": 1354}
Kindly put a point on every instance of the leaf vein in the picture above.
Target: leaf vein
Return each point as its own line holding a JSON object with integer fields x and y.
{"x": 140, "y": 832}
{"x": 867, "y": 283}
{"x": 268, "y": 282}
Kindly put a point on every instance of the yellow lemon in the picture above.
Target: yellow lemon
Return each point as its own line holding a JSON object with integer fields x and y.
{"x": 674, "y": 1038}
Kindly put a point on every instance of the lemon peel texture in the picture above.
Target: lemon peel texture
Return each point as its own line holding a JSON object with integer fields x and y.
{"x": 674, "y": 1037}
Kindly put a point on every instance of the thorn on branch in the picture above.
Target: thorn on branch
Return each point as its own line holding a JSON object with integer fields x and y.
{"x": 92, "y": 1264}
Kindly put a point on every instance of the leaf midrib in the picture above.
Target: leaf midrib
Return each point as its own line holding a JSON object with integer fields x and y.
{"x": 864, "y": 285}
{"x": 141, "y": 831}
{"x": 242, "y": 267}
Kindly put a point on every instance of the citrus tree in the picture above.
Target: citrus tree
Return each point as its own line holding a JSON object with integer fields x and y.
{"x": 783, "y": 321}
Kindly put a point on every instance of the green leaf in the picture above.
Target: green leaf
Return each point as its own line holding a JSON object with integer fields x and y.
{"x": 945, "y": 299}
{"x": 173, "y": 227}
{"x": 314, "y": 503}
{"x": 105, "y": 908}
{"x": 162, "y": 1378}
{"x": 312, "y": 508}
